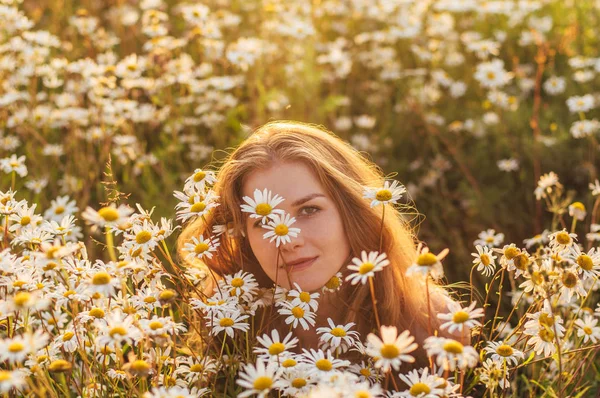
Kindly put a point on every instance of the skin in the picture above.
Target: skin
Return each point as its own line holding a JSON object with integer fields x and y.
{"x": 322, "y": 233}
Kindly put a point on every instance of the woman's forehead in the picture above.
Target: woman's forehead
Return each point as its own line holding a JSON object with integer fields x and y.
{"x": 291, "y": 180}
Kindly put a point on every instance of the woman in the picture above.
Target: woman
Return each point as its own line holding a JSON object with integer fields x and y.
{"x": 322, "y": 180}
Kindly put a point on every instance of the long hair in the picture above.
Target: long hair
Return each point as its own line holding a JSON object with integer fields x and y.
{"x": 343, "y": 172}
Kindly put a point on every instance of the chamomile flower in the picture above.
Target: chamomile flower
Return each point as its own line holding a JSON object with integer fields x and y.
{"x": 587, "y": 329}
{"x": 427, "y": 263}
{"x": 321, "y": 362}
{"x": 297, "y": 315}
{"x": 571, "y": 284}
{"x": 577, "y": 211}
{"x": 273, "y": 346}
{"x": 242, "y": 284}
{"x": 366, "y": 266}
{"x": 562, "y": 240}
{"x": 101, "y": 281}
{"x": 451, "y": 354}
{"x": 12, "y": 379}
{"x": 588, "y": 263}
{"x": 333, "y": 284}
{"x": 484, "y": 260}
{"x": 337, "y": 337}
{"x": 303, "y": 299}
{"x": 197, "y": 204}
{"x": 117, "y": 328}
{"x": 200, "y": 180}
{"x": 365, "y": 371}
{"x": 297, "y": 381}
{"x": 503, "y": 352}
{"x": 545, "y": 185}
{"x": 198, "y": 247}
{"x": 280, "y": 229}
{"x": 24, "y": 217}
{"x": 458, "y": 317}
{"x": 539, "y": 239}
{"x": 389, "y": 193}
{"x": 14, "y": 164}
{"x": 228, "y": 321}
{"x": 421, "y": 384}
{"x": 60, "y": 207}
{"x": 259, "y": 379}
{"x": 534, "y": 280}
{"x": 262, "y": 205}
{"x": 109, "y": 216}
{"x": 493, "y": 374}
{"x": 392, "y": 349}
{"x": 544, "y": 319}
{"x": 160, "y": 326}
{"x": 544, "y": 341}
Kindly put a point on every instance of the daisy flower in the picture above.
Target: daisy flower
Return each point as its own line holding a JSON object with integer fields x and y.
{"x": 280, "y": 229}
{"x": 492, "y": 374}
{"x": 242, "y": 284}
{"x": 321, "y": 362}
{"x": 297, "y": 315}
{"x": 389, "y": 193}
{"x": 227, "y": 321}
{"x": 198, "y": 247}
{"x": 337, "y": 336}
{"x": 333, "y": 284}
{"x": 534, "y": 280}
{"x": 539, "y": 239}
{"x": 543, "y": 341}
{"x": 595, "y": 187}
{"x": 544, "y": 319}
{"x": 578, "y": 104}
{"x": 421, "y": 384}
{"x": 273, "y": 346}
{"x": 200, "y": 180}
{"x": 577, "y": 211}
{"x": 458, "y": 317}
{"x": 103, "y": 282}
{"x": 12, "y": 379}
{"x": 588, "y": 263}
{"x": 60, "y": 207}
{"x": 195, "y": 205}
{"x": 427, "y": 263}
{"x": 562, "y": 240}
{"x": 259, "y": 379}
{"x": 503, "y": 352}
{"x": 451, "y": 354}
{"x": 571, "y": 284}
{"x": 297, "y": 381}
{"x": 262, "y": 206}
{"x": 14, "y": 164}
{"x": 392, "y": 349}
{"x": 484, "y": 260}
{"x": 365, "y": 371}
{"x": 110, "y": 216}
{"x": 303, "y": 299}
{"x": 117, "y": 328}
{"x": 195, "y": 369}
{"x": 545, "y": 185}
{"x": 366, "y": 266}
{"x": 588, "y": 329}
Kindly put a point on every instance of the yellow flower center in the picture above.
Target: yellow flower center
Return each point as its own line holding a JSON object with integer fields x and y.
{"x": 97, "y": 312}
{"x": 69, "y": 293}
{"x": 511, "y": 252}
{"x": 365, "y": 372}
{"x": 298, "y": 382}
{"x": 453, "y": 347}
{"x": 585, "y": 262}
{"x": 200, "y": 248}
{"x": 419, "y": 388}
{"x": 569, "y": 279}
{"x": 19, "y": 283}
{"x": 298, "y": 312}
{"x": 109, "y": 214}
{"x": 276, "y": 348}
{"x": 563, "y": 238}
{"x": 263, "y": 209}
{"x": 262, "y": 383}
{"x": 199, "y": 176}
{"x": 338, "y": 332}
{"x": 25, "y": 220}
{"x": 237, "y": 282}
{"x": 143, "y": 237}
{"x": 226, "y": 322}
{"x": 197, "y": 368}
{"x": 120, "y": 330}
{"x": 60, "y": 365}
{"x": 460, "y": 317}
{"x": 22, "y": 298}
{"x": 198, "y": 207}
{"x": 546, "y": 319}
{"x": 101, "y": 278}
{"x": 547, "y": 335}
{"x": 504, "y": 350}
{"x": 485, "y": 259}
{"x": 333, "y": 283}
{"x": 154, "y": 325}
{"x": 389, "y": 351}
{"x": 149, "y": 300}
{"x": 5, "y": 375}
{"x": 324, "y": 365}
{"x": 362, "y": 394}
{"x": 365, "y": 268}
{"x": 587, "y": 330}
{"x": 537, "y": 277}
{"x": 281, "y": 230}
{"x": 304, "y": 297}
{"x": 288, "y": 363}
{"x": 16, "y": 347}
{"x": 140, "y": 366}
{"x": 68, "y": 336}
{"x": 59, "y": 210}
{"x": 383, "y": 195}
{"x": 578, "y": 206}
{"x": 491, "y": 75}
{"x": 427, "y": 259}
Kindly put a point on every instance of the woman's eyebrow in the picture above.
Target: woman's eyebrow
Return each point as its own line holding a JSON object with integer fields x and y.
{"x": 307, "y": 198}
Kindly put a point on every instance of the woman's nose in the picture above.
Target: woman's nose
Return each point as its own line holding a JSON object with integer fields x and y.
{"x": 296, "y": 243}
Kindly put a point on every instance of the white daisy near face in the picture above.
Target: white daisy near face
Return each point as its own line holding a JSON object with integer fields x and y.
{"x": 337, "y": 337}
{"x": 389, "y": 193}
{"x": 280, "y": 229}
{"x": 297, "y": 315}
{"x": 457, "y": 317}
{"x": 228, "y": 321}
{"x": 260, "y": 379}
{"x": 321, "y": 362}
{"x": 200, "y": 180}
{"x": 484, "y": 260}
{"x": 391, "y": 350}
{"x": 273, "y": 346}
{"x": 503, "y": 352}
{"x": 262, "y": 206}
{"x": 587, "y": 329}
{"x": 366, "y": 266}
{"x": 427, "y": 263}
{"x": 298, "y": 297}
{"x": 421, "y": 384}
{"x": 198, "y": 247}
{"x": 451, "y": 354}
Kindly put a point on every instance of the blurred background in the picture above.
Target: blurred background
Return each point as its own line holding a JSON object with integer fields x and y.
{"x": 468, "y": 103}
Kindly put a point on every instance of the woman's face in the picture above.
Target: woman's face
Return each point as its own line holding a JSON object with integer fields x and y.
{"x": 321, "y": 247}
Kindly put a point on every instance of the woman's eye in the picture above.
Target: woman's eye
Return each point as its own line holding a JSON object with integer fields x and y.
{"x": 309, "y": 210}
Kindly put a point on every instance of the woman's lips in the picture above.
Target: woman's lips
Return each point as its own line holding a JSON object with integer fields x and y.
{"x": 302, "y": 265}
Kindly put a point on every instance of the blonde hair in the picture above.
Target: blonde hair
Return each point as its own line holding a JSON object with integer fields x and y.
{"x": 343, "y": 172}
